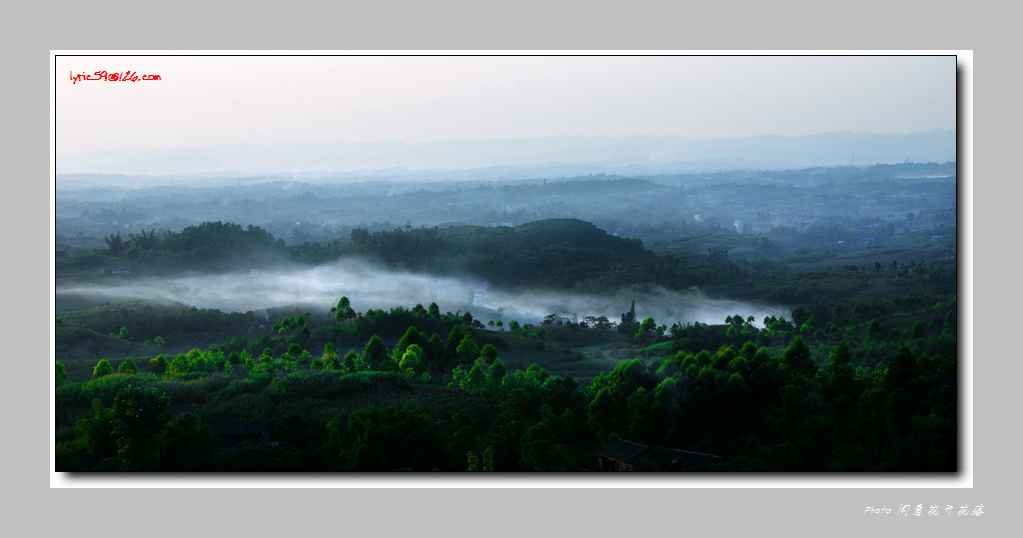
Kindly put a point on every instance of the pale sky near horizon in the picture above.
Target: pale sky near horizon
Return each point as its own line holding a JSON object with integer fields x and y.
{"x": 210, "y": 100}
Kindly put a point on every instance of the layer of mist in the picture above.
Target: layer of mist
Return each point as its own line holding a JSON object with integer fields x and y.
{"x": 370, "y": 287}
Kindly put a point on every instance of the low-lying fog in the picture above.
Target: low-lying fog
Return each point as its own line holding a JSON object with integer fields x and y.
{"x": 371, "y": 287}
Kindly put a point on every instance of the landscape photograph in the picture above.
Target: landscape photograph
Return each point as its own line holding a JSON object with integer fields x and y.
{"x": 543, "y": 264}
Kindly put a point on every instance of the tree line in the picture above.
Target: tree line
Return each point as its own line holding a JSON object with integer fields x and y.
{"x": 802, "y": 406}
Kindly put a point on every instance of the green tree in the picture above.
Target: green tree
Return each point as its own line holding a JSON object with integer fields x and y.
{"x": 329, "y": 359}
{"x": 798, "y": 360}
{"x": 433, "y": 354}
{"x": 808, "y": 327}
{"x": 61, "y": 374}
{"x": 629, "y": 325}
{"x": 609, "y": 398}
{"x": 344, "y": 313}
{"x": 246, "y": 360}
{"x": 496, "y": 373}
{"x": 481, "y": 462}
{"x": 294, "y": 349}
{"x": 375, "y": 355}
{"x": 640, "y": 419}
{"x": 412, "y": 336}
{"x": 647, "y": 333}
{"x": 902, "y": 370}
{"x": 115, "y": 244}
{"x": 489, "y": 354}
{"x": 143, "y": 241}
{"x": 179, "y": 365}
{"x": 352, "y": 363}
{"x": 451, "y": 345}
{"x": 128, "y": 367}
{"x": 103, "y": 368}
{"x": 411, "y": 359}
{"x": 841, "y": 377}
{"x": 799, "y": 316}
{"x": 504, "y": 436}
{"x": 266, "y": 357}
{"x": 473, "y": 380}
{"x": 158, "y": 365}
{"x": 467, "y": 349}
{"x": 139, "y": 416}
{"x": 96, "y": 432}
{"x": 738, "y": 365}
{"x": 842, "y": 391}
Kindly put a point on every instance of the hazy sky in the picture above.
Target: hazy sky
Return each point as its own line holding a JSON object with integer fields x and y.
{"x": 205, "y": 100}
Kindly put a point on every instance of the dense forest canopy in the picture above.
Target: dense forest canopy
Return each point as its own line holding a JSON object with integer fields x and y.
{"x": 858, "y": 371}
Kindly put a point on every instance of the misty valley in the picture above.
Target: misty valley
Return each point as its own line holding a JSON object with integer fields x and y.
{"x": 512, "y": 319}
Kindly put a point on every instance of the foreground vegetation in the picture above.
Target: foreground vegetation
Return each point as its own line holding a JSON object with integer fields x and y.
{"x": 874, "y": 392}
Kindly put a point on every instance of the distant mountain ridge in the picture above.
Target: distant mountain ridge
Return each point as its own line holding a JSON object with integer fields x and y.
{"x": 530, "y": 156}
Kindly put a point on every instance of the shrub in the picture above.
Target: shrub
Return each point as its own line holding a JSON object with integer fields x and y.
{"x": 158, "y": 365}
{"x": 103, "y": 368}
{"x": 128, "y": 367}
